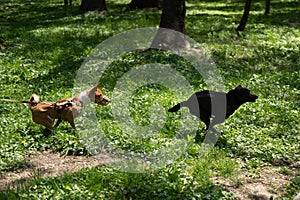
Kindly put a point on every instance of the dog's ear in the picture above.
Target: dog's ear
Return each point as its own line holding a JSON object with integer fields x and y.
{"x": 238, "y": 87}
{"x": 91, "y": 92}
{"x": 232, "y": 92}
{"x": 34, "y": 98}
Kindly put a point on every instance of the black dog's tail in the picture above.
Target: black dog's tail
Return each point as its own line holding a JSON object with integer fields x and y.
{"x": 175, "y": 108}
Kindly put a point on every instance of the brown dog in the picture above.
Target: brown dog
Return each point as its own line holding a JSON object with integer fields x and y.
{"x": 45, "y": 113}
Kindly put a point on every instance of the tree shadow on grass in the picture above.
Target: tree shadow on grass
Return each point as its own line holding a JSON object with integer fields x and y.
{"x": 282, "y": 14}
{"x": 48, "y": 31}
{"x": 98, "y": 181}
{"x": 31, "y": 14}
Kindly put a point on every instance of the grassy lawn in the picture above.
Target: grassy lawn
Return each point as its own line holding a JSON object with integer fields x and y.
{"x": 43, "y": 44}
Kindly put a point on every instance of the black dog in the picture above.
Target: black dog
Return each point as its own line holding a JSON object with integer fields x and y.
{"x": 216, "y": 105}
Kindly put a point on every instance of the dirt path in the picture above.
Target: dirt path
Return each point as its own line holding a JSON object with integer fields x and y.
{"x": 265, "y": 183}
{"x": 46, "y": 164}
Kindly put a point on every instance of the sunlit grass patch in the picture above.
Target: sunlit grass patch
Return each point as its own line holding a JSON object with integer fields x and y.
{"x": 43, "y": 44}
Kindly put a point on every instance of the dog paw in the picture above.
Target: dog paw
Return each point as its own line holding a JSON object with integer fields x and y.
{"x": 216, "y": 131}
{"x": 47, "y": 132}
{"x": 198, "y": 138}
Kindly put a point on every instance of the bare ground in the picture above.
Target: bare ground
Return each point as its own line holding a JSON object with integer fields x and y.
{"x": 265, "y": 183}
{"x": 46, "y": 164}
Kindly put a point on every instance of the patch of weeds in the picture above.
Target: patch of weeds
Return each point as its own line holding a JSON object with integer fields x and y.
{"x": 68, "y": 142}
{"x": 292, "y": 189}
{"x": 174, "y": 182}
{"x": 13, "y": 153}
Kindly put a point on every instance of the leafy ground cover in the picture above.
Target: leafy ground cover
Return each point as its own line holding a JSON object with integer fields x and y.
{"x": 43, "y": 44}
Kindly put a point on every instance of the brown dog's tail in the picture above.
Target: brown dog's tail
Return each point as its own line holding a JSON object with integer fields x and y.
{"x": 175, "y": 108}
{"x": 14, "y": 101}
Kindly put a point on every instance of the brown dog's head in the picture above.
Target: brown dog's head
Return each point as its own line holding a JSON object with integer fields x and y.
{"x": 95, "y": 94}
{"x": 244, "y": 95}
{"x": 34, "y": 99}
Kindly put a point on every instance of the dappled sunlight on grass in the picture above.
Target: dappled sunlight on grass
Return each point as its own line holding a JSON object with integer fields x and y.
{"x": 43, "y": 44}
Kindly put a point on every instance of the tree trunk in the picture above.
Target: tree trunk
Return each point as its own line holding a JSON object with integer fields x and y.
{"x": 141, "y": 4}
{"x": 91, "y": 5}
{"x": 267, "y": 9}
{"x": 172, "y": 26}
{"x": 173, "y": 15}
{"x": 244, "y": 19}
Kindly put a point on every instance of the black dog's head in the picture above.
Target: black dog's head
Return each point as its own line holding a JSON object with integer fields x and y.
{"x": 243, "y": 94}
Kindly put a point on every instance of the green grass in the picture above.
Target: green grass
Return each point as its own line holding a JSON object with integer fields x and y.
{"x": 43, "y": 44}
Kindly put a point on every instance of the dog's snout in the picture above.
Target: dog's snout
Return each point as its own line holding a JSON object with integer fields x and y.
{"x": 106, "y": 99}
{"x": 254, "y": 97}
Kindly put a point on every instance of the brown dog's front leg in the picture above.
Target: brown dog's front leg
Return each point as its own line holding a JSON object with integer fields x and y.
{"x": 47, "y": 131}
{"x": 72, "y": 123}
{"x": 57, "y": 123}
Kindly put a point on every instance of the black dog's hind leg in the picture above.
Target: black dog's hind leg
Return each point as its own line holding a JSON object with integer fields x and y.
{"x": 198, "y": 133}
{"x": 206, "y": 121}
{"x": 214, "y": 122}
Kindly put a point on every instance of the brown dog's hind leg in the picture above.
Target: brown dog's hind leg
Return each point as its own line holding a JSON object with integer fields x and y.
{"x": 57, "y": 123}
